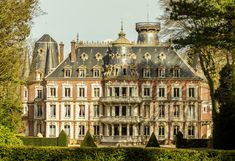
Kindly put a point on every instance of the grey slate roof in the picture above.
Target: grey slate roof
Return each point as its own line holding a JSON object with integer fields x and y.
{"x": 172, "y": 59}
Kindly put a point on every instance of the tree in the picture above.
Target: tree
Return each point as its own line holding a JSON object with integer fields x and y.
{"x": 15, "y": 19}
{"x": 63, "y": 139}
{"x": 225, "y": 123}
{"x": 152, "y": 141}
{"x": 88, "y": 141}
{"x": 209, "y": 29}
{"x": 8, "y": 138}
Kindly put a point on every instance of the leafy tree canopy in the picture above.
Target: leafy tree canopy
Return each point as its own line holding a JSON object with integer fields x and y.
{"x": 8, "y": 138}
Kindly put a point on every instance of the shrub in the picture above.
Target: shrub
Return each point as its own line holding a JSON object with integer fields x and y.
{"x": 63, "y": 139}
{"x": 7, "y": 137}
{"x": 108, "y": 154}
{"x": 36, "y": 141}
{"x": 88, "y": 141}
{"x": 179, "y": 140}
{"x": 152, "y": 141}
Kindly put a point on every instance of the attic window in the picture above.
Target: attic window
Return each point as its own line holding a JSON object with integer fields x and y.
{"x": 67, "y": 73}
{"x": 176, "y": 72}
{"x": 146, "y": 72}
{"x": 82, "y": 71}
{"x": 39, "y": 76}
{"x": 161, "y": 72}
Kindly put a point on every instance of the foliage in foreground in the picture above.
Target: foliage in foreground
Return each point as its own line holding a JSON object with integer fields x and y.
{"x": 112, "y": 154}
{"x": 63, "y": 139}
{"x": 7, "y": 137}
{"x": 152, "y": 141}
{"x": 88, "y": 141}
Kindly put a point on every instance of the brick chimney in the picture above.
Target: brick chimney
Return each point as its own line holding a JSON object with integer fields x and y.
{"x": 73, "y": 53}
{"x": 61, "y": 56}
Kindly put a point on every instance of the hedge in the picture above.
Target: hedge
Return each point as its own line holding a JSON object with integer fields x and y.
{"x": 62, "y": 140}
{"x": 111, "y": 154}
{"x": 192, "y": 143}
{"x": 36, "y": 141}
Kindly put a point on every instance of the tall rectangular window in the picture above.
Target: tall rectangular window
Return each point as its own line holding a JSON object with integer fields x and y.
{"x": 176, "y": 130}
{"x": 52, "y": 111}
{"x": 191, "y": 92}
{"x": 67, "y": 92}
{"x": 191, "y": 111}
{"x": 161, "y": 92}
{"x": 176, "y": 111}
{"x": 161, "y": 131}
{"x": 146, "y": 130}
{"x": 81, "y": 92}
{"x": 176, "y": 92}
{"x": 96, "y": 130}
{"x": 82, "y": 111}
{"x": 39, "y": 110}
{"x": 191, "y": 131}
{"x": 81, "y": 130}
{"x": 161, "y": 111}
{"x": 96, "y": 92}
{"x": 146, "y": 73}
{"x": 116, "y": 110}
{"x": 39, "y": 93}
{"x": 67, "y": 129}
{"x": 52, "y": 130}
{"x": 96, "y": 110}
{"x": 116, "y": 90}
{"x": 146, "y": 92}
{"x": 124, "y": 91}
{"x": 53, "y": 92}
{"x": 124, "y": 110}
{"x": 131, "y": 91}
{"x": 67, "y": 111}
{"x": 176, "y": 73}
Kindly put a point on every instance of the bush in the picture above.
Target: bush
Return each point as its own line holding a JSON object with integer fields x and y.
{"x": 88, "y": 141}
{"x": 179, "y": 140}
{"x": 36, "y": 141}
{"x": 63, "y": 139}
{"x": 7, "y": 137}
{"x": 152, "y": 141}
{"x": 115, "y": 154}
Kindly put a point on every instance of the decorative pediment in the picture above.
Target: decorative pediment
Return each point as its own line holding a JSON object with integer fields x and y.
{"x": 82, "y": 67}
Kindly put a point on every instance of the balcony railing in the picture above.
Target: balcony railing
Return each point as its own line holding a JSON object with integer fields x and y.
{"x": 121, "y": 99}
{"x": 121, "y": 119}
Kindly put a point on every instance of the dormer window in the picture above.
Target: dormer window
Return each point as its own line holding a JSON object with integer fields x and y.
{"x": 146, "y": 72}
{"x": 82, "y": 72}
{"x": 124, "y": 71}
{"x": 96, "y": 71}
{"x": 176, "y": 72}
{"x": 161, "y": 72}
{"x": 67, "y": 72}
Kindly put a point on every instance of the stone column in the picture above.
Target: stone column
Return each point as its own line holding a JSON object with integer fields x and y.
{"x": 112, "y": 130}
{"x": 120, "y": 129}
{"x": 128, "y": 129}
{"x": 120, "y": 110}
{"x": 101, "y": 129}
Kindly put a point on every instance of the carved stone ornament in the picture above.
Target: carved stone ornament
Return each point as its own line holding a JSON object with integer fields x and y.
{"x": 147, "y": 56}
{"x": 98, "y": 56}
{"x": 162, "y": 56}
{"x": 84, "y": 56}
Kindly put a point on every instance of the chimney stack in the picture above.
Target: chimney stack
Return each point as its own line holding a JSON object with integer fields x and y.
{"x": 61, "y": 52}
{"x": 73, "y": 52}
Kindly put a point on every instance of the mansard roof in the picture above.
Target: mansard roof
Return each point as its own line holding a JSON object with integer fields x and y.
{"x": 157, "y": 57}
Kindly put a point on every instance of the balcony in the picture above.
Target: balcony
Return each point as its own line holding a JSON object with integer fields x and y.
{"x": 120, "y": 99}
{"x": 121, "y": 119}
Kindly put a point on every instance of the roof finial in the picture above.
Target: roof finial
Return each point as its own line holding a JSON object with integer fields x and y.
{"x": 122, "y": 25}
{"x": 77, "y": 37}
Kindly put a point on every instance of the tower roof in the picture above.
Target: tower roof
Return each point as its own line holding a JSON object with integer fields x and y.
{"x": 122, "y": 40}
{"x": 46, "y": 38}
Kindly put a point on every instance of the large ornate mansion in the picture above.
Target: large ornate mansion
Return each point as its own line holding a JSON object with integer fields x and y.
{"x": 120, "y": 91}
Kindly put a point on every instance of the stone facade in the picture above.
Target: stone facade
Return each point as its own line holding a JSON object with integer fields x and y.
{"x": 120, "y": 91}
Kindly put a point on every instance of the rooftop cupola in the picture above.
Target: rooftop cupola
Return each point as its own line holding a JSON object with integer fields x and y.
{"x": 148, "y": 33}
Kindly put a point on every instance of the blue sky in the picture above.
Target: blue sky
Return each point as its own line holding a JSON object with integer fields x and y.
{"x": 94, "y": 20}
